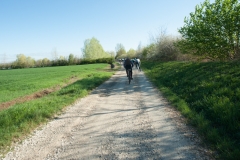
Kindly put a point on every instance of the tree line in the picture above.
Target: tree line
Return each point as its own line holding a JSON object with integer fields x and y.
{"x": 23, "y": 61}
{"x": 93, "y": 52}
{"x": 211, "y": 32}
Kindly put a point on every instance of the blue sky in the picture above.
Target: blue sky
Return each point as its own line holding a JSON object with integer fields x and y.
{"x": 36, "y": 28}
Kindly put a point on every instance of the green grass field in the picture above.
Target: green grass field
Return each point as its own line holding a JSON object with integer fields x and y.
{"x": 20, "y": 82}
{"x": 208, "y": 94}
{"x": 21, "y": 118}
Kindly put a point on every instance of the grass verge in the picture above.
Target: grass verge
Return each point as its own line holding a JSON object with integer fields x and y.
{"x": 208, "y": 94}
{"x": 20, "y": 119}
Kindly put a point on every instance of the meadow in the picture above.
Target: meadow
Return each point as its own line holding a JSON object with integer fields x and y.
{"x": 208, "y": 95}
{"x": 20, "y": 119}
{"x": 20, "y": 82}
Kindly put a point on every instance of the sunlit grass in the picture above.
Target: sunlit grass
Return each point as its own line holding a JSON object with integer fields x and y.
{"x": 208, "y": 94}
{"x": 19, "y": 82}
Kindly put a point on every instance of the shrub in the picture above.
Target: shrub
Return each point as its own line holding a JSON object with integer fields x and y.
{"x": 100, "y": 60}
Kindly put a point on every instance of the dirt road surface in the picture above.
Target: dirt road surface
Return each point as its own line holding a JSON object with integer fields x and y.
{"x": 116, "y": 121}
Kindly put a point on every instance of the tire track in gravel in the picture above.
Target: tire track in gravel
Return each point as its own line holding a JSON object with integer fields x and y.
{"x": 116, "y": 121}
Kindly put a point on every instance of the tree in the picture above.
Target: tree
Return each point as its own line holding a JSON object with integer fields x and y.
{"x": 93, "y": 49}
{"x": 71, "y": 59}
{"x": 148, "y": 51}
{"x": 38, "y": 63}
{"x": 110, "y": 53}
{"x": 24, "y": 62}
{"x": 139, "y": 50}
{"x": 46, "y": 62}
{"x": 21, "y": 61}
{"x": 120, "y": 51}
{"x": 213, "y": 30}
{"x": 55, "y": 54}
{"x": 131, "y": 53}
{"x": 30, "y": 62}
{"x": 76, "y": 60}
{"x": 62, "y": 61}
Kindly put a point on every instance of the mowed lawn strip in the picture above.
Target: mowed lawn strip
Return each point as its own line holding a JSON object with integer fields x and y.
{"x": 20, "y": 119}
{"x": 208, "y": 94}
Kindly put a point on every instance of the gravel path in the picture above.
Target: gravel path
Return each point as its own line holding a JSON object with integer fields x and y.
{"x": 116, "y": 121}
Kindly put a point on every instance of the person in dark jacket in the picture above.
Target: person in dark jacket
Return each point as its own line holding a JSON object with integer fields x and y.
{"x": 128, "y": 64}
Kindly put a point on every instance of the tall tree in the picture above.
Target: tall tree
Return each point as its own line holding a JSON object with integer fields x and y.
{"x": 30, "y": 62}
{"x": 213, "y": 29}
{"x": 55, "y": 54}
{"x": 71, "y": 59}
{"x": 46, "y": 62}
{"x": 111, "y": 53}
{"x": 92, "y": 49}
{"x": 120, "y": 51}
{"x": 131, "y": 53}
{"x": 21, "y": 60}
